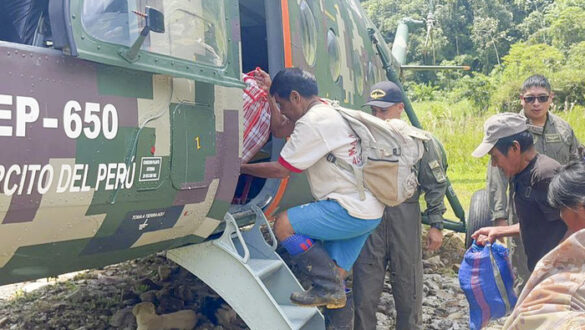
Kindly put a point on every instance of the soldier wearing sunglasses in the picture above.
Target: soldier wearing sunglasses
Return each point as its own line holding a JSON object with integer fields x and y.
{"x": 553, "y": 137}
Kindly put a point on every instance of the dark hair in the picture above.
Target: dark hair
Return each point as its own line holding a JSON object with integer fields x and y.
{"x": 525, "y": 140}
{"x": 536, "y": 80}
{"x": 567, "y": 187}
{"x": 290, "y": 79}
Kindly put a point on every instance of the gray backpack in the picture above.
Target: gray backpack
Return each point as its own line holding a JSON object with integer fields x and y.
{"x": 390, "y": 151}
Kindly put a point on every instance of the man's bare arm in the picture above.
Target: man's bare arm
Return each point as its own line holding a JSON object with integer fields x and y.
{"x": 265, "y": 170}
{"x": 490, "y": 234}
{"x": 280, "y": 126}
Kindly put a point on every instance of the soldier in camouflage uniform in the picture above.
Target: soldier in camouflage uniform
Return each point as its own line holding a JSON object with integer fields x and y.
{"x": 553, "y": 137}
{"x": 397, "y": 238}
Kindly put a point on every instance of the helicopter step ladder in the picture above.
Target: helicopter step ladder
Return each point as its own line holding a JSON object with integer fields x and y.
{"x": 250, "y": 276}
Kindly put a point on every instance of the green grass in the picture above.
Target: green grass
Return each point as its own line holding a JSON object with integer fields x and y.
{"x": 460, "y": 131}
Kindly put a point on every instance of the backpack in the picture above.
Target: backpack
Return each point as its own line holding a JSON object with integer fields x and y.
{"x": 390, "y": 151}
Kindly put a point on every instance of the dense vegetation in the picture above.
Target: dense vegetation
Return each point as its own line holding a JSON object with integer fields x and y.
{"x": 504, "y": 41}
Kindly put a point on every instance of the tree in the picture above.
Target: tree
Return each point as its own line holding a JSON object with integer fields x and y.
{"x": 569, "y": 82}
{"x": 567, "y": 24}
{"x": 532, "y": 25}
{"x": 522, "y": 61}
{"x": 514, "y": 37}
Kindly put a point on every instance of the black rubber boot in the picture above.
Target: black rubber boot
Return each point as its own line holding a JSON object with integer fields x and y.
{"x": 340, "y": 318}
{"x": 327, "y": 285}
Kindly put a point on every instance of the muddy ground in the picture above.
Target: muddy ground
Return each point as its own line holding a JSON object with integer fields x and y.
{"x": 103, "y": 298}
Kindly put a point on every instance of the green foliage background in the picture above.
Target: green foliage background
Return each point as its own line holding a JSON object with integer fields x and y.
{"x": 504, "y": 42}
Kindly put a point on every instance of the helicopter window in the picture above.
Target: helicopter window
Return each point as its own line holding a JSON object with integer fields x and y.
{"x": 194, "y": 30}
{"x": 315, "y": 10}
{"x": 309, "y": 33}
{"x": 334, "y": 55}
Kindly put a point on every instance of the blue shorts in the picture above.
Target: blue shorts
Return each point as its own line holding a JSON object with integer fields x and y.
{"x": 343, "y": 236}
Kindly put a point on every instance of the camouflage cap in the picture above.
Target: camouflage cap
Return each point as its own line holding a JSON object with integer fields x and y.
{"x": 497, "y": 127}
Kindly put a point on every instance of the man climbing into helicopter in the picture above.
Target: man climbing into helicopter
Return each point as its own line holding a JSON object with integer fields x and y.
{"x": 324, "y": 237}
{"x": 397, "y": 241}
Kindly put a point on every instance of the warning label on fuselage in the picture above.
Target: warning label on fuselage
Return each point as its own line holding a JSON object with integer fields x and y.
{"x": 150, "y": 168}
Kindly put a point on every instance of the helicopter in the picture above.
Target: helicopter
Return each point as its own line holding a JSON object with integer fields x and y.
{"x": 121, "y": 124}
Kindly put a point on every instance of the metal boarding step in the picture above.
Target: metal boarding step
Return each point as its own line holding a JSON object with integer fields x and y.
{"x": 250, "y": 276}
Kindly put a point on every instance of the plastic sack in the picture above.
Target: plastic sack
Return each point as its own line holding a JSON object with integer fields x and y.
{"x": 486, "y": 279}
{"x": 256, "y": 118}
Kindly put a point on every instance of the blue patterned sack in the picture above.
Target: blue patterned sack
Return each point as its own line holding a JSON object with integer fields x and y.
{"x": 486, "y": 279}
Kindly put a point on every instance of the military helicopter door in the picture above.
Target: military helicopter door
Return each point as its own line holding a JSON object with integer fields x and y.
{"x": 196, "y": 42}
{"x": 194, "y": 78}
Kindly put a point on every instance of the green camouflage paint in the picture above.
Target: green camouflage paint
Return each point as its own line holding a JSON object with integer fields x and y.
{"x": 144, "y": 156}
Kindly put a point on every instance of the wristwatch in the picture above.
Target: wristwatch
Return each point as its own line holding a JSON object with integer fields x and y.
{"x": 438, "y": 225}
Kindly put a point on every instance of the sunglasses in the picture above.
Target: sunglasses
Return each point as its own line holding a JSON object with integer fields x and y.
{"x": 531, "y": 99}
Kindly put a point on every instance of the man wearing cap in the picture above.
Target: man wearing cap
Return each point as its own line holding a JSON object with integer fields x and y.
{"x": 397, "y": 238}
{"x": 553, "y": 137}
{"x": 511, "y": 147}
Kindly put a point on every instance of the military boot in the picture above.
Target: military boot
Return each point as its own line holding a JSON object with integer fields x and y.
{"x": 340, "y": 318}
{"x": 327, "y": 285}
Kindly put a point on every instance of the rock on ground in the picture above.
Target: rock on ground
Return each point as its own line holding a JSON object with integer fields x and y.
{"x": 103, "y": 298}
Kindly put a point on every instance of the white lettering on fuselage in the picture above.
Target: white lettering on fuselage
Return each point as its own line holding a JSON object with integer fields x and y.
{"x": 90, "y": 120}
{"x": 26, "y": 179}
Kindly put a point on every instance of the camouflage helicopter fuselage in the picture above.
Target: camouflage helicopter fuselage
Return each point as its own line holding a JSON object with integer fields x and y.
{"x": 106, "y": 160}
